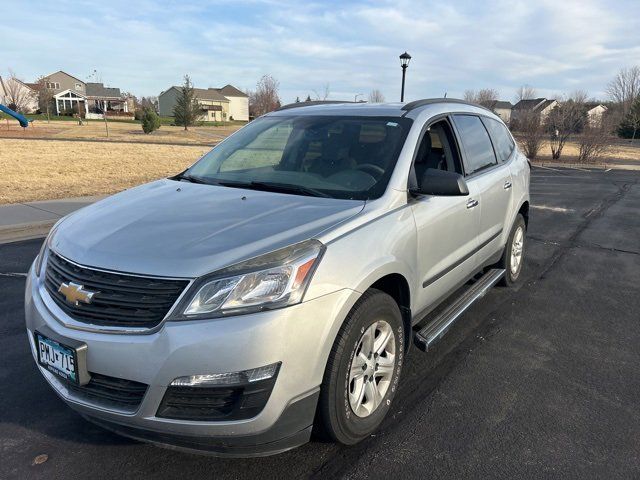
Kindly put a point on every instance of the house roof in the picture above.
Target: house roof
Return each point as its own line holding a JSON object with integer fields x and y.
{"x": 501, "y": 104}
{"x": 533, "y": 104}
{"x": 99, "y": 90}
{"x": 204, "y": 94}
{"x": 528, "y": 104}
{"x": 591, "y": 105}
{"x": 62, "y": 71}
{"x": 545, "y": 104}
{"x": 231, "y": 91}
{"x": 209, "y": 94}
{"x": 3, "y": 88}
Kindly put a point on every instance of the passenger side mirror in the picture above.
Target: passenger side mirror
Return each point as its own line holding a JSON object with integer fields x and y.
{"x": 441, "y": 182}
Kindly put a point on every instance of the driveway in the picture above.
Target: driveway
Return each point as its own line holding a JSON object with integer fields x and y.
{"x": 539, "y": 381}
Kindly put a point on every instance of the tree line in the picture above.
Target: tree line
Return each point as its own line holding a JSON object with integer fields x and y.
{"x": 569, "y": 119}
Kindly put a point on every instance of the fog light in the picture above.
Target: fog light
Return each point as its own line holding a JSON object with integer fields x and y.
{"x": 235, "y": 378}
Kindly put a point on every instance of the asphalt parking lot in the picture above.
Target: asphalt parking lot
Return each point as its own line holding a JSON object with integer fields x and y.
{"x": 540, "y": 381}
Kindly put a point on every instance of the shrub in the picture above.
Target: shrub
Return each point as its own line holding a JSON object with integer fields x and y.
{"x": 593, "y": 144}
{"x": 150, "y": 121}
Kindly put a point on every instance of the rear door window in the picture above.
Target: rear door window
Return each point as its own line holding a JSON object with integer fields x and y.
{"x": 502, "y": 141}
{"x": 476, "y": 142}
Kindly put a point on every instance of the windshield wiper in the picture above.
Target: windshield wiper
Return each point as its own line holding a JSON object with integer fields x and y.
{"x": 276, "y": 187}
{"x": 192, "y": 179}
{"x": 263, "y": 186}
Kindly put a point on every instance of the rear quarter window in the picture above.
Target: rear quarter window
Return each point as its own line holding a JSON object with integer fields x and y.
{"x": 477, "y": 144}
{"x": 502, "y": 141}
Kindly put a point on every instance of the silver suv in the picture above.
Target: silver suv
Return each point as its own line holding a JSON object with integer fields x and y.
{"x": 275, "y": 286}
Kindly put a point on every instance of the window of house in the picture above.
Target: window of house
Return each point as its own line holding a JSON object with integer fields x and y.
{"x": 476, "y": 142}
{"x": 502, "y": 141}
{"x": 78, "y": 86}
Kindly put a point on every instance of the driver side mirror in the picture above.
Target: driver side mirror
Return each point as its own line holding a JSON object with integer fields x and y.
{"x": 442, "y": 183}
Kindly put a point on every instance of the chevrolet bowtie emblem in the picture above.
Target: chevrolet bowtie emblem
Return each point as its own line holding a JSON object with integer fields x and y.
{"x": 75, "y": 293}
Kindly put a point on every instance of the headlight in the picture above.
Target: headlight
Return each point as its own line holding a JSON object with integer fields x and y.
{"x": 44, "y": 250}
{"x": 274, "y": 280}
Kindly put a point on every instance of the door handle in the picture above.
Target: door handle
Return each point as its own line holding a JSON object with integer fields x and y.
{"x": 472, "y": 203}
{"x": 507, "y": 185}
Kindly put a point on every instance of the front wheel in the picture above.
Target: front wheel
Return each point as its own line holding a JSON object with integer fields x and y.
{"x": 363, "y": 370}
{"x": 513, "y": 255}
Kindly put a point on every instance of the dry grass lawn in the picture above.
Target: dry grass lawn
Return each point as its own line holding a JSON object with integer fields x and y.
{"x": 118, "y": 132}
{"x": 618, "y": 151}
{"x": 45, "y": 170}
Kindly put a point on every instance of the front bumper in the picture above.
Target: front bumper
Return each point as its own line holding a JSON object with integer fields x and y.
{"x": 299, "y": 337}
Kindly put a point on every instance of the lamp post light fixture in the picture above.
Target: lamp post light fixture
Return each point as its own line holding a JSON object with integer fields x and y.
{"x": 355, "y": 98}
{"x": 404, "y": 63}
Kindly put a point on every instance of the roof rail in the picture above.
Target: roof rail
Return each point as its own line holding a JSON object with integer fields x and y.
{"x": 312, "y": 102}
{"x": 431, "y": 101}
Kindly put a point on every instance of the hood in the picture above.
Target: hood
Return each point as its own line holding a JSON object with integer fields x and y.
{"x": 181, "y": 229}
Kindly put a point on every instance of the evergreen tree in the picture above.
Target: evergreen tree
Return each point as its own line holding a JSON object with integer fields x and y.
{"x": 150, "y": 120}
{"x": 308, "y": 98}
{"x": 297, "y": 99}
{"x": 630, "y": 125}
{"x": 187, "y": 110}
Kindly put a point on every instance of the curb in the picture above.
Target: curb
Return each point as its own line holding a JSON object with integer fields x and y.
{"x": 25, "y": 231}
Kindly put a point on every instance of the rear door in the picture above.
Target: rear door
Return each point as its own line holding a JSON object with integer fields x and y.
{"x": 490, "y": 178}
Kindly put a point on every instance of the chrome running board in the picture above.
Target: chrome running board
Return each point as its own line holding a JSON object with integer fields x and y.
{"x": 435, "y": 329}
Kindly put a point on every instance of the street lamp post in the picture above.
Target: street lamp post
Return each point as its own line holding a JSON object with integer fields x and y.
{"x": 404, "y": 63}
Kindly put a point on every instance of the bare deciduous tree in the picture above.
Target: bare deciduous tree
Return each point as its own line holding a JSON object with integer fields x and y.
{"x": 625, "y": 87}
{"x": 565, "y": 120}
{"x": 376, "y": 96}
{"x": 45, "y": 96}
{"x": 530, "y": 133}
{"x": 326, "y": 91}
{"x": 485, "y": 96}
{"x": 149, "y": 102}
{"x": 525, "y": 92}
{"x": 265, "y": 99}
{"x": 17, "y": 94}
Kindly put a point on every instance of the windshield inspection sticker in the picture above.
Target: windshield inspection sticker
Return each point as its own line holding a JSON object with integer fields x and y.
{"x": 392, "y": 124}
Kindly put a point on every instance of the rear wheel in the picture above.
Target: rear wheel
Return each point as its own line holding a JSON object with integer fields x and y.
{"x": 363, "y": 369}
{"x": 513, "y": 255}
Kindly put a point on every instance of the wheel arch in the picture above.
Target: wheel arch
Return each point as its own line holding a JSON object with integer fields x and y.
{"x": 524, "y": 211}
{"x": 397, "y": 287}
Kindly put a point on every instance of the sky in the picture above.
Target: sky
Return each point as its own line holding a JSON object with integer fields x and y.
{"x": 144, "y": 47}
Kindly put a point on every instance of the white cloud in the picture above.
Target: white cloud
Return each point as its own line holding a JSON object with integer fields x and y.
{"x": 143, "y": 47}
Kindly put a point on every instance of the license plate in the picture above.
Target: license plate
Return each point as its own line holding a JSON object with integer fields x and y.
{"x": 57, "y": 358}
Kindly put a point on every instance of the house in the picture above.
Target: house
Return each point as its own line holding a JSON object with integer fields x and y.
{"x": 540, "y": 106}
{"x": 502, "y": 109}
{"x": 19, "y": 95}
{"x": 90, "y": 100}
{"x": 217, "y": 104}
{"x": 595, "y": 111}
{"x": 238, "y": 103}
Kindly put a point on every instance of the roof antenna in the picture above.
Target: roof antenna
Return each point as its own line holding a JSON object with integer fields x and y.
{"x": 445, "y": 95}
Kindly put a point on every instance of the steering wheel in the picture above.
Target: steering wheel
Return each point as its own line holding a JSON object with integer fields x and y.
{"x": 374, "y": 170}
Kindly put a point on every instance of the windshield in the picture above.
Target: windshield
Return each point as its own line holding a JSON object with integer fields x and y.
{"x": 329, "y": 156}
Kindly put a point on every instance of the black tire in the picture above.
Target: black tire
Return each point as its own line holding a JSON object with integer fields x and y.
{"x": 336, "y": 418}
{"x": 511, "y": 277}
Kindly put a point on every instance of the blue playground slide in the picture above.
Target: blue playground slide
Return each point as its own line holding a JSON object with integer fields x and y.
{"x": 21, "y": 118}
